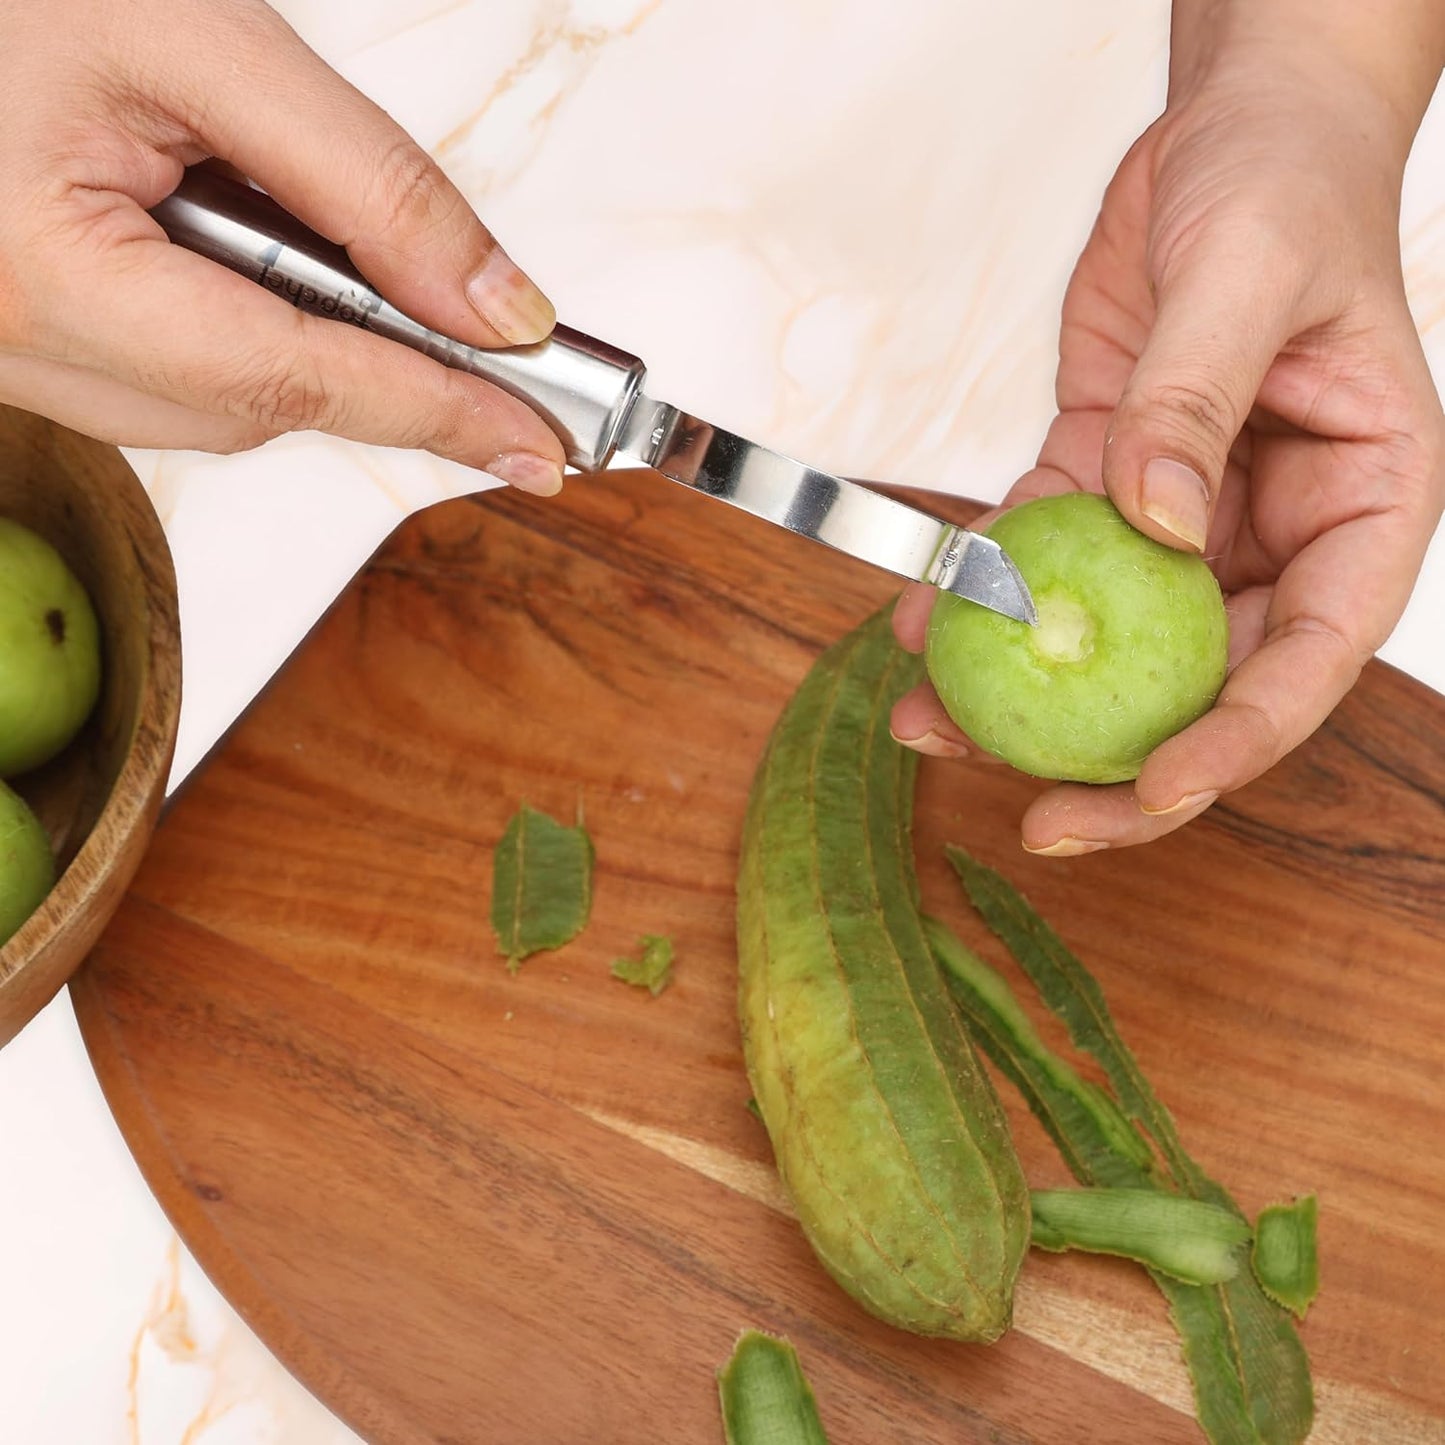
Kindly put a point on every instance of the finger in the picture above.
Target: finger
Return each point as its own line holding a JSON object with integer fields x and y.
{"x": 1282, "y": 693}
{"x": 1222, "y": 316}
{"x": 1333, "y": 605}
{"x": 1077, "y": 818}
{"x": 280, "y": 369}
{"x": 1295, "y": 650}
{"x": 99, "y": 406}
{"x": 1108, "y": 305}
{"x": 337, "y": 161}
{"x": 918, "y": 721}
{"x": 911, "y": 613}
{"x": 1248, "y": 613}
{"x": 1302, "y": 488}
{"x": 1071, "y": 456}
{"x": 1069, "y": 461}
{"x": 1275, "y": 697}
{"x": 1272, "y": 702}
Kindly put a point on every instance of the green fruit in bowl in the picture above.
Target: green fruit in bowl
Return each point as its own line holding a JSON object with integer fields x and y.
{"x": 49, "y": 651}
{"x": 1131, "y": 645}
{"x": 27, "y": 869}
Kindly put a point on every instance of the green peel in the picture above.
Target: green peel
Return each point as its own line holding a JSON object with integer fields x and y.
{"x": 1082, "y": 1111}
{"x": 653, "y": 969}
{"x": 1285, "y": 1258}
{"x": 541, "y": 885}
{"x": 765, "y": 1397}
{"x": 1186, "y": 1239}
{"x": 1250, "y": 1373}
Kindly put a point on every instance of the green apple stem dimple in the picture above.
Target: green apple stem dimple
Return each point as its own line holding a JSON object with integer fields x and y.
{"x": 1065, "y": 632}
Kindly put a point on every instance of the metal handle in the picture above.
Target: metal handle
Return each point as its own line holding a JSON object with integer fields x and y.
{"x": 582, "y": 388}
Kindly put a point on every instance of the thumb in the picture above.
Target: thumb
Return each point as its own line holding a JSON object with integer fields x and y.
{"x": 1219, "y": 324}
{"x": 343, "y": 166}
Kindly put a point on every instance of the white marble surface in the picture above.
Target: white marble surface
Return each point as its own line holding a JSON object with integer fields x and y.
{"x": 840, "y": 227}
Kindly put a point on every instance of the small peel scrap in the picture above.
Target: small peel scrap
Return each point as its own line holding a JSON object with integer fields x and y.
{"x": 653, "y": 970}
{"x": 1285, "y": 1258}
{"x": 765, "y": 1397}
{"x": 541, "y": 884}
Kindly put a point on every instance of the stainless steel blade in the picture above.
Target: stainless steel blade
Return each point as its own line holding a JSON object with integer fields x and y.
{"x": 828, "y": 509}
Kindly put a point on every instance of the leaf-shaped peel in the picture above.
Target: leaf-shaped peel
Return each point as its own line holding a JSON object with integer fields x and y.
{"x": 541, "y": 884}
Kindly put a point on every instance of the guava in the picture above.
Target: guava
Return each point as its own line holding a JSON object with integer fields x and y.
{"x": 49, "y": 651}
{"x": 27, "y": 869}
{"x": 1131, "y": 645}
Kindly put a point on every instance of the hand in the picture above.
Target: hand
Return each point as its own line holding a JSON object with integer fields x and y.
{"x": 108, "y": 328}
{"x": 1239, "y": 371}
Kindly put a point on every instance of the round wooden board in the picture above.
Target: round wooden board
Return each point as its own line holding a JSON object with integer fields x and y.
{"x": 467, "y": 1206}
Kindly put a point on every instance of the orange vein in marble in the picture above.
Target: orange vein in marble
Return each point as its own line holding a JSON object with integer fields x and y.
{"x": 168, "y": 1320}
{"x": 449, "y": 7}
{"x": 581, "y": 41}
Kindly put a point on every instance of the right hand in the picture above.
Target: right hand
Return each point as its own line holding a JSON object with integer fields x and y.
{"x": 1239, "y": 371}
{"x": 108, "y": 328}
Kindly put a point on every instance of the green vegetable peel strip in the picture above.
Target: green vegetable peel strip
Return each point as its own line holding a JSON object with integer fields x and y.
{"x": 1186, "y": 1239}
{"x": 1074, "y": 995}
{"x": 1082, "y": 1117}
{"x": 765, "y": 1397}
{"x": 1250, "y": 1373}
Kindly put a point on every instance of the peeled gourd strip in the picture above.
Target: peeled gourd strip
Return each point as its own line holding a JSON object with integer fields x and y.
{"x": 765, "y": 1397}
{"x": 1186, "y": 1239}
{"x": 1249, "y": 1370}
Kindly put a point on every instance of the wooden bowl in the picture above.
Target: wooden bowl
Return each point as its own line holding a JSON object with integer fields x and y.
{"x": 99, "y": 799}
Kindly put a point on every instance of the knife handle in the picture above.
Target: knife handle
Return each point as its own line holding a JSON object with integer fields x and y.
{"x": 581, "y": 387}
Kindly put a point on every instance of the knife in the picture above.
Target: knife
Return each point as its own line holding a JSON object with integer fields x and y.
{"x": 590, "y": 394}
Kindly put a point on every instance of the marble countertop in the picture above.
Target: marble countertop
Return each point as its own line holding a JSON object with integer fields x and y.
{"x": 840, "y": 228}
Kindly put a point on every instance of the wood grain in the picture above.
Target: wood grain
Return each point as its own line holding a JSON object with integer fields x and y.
{"x": 471, "y": 1207}
{"x": 99, "y": 799}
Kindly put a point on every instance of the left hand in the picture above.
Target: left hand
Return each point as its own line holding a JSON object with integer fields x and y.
{"x": 1240, "y": 373}
{"x": 108, "y": 328}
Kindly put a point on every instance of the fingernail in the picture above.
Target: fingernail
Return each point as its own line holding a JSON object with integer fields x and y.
{"x": 527, "y": 472}
{"x": 1068, "y": 848}
{"x": 1189, "y": 803}
{"x": 1176, "y": 498}
{"x": 509, "y": 302}
{"x": 934, "y": 744}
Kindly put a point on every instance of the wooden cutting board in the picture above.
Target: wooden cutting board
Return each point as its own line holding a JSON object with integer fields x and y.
{"x": 467, "y": 1206}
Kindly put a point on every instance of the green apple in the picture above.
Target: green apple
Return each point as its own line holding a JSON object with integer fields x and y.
{"x": 1130, "y": 647}
{"x": 49, "y": 651}
{"x": 27, "y": 869}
